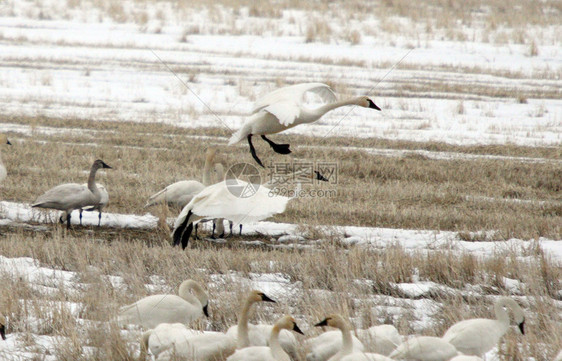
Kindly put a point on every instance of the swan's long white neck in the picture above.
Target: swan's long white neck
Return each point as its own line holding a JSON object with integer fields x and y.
{"x": 347, "y": 345}
{"x": 276, "y": 350}
{"x": 92, "y": 179}
{"x": 207, "y": 173}
{"x": 315, "y": 114}
{"x": 243, "y": 336}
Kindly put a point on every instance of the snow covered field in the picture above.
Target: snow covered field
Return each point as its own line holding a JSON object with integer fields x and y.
{"x": 203, "y": 66}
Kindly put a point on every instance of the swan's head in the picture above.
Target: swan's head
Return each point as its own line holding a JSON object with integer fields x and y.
{"x": 198, "y": 292}
{"x": 288, "y": 323}
{"x": 334, "y": 320}
{"x": 258, "y": 296}
{"x": 100, "y": 164}
{"x": 4, "y": 139}
{"x": 368, "y": 103}
{"x": 518, "y": 314}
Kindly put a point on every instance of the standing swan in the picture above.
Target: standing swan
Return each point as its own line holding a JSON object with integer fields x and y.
{"x": 150, "y": 311}
{"x": 69, "y": 196}
{"x": 283, "y": 109}
{"x": 477, "y": 336}
{"x": 232, "y": 199}
{"x": 272, "y": 353}
{"x": 103, "y": 202}
{"x": 3, "y": 173}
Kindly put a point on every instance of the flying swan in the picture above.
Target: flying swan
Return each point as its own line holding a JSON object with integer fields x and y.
{"x": 283, "y": 109}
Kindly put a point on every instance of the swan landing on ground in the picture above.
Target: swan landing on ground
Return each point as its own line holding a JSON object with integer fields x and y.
{"x": 232, "y": 199}
{"x": 283, "y": 109}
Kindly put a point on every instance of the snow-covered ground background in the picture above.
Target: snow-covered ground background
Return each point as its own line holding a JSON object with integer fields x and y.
{"x": 203, "y": 66}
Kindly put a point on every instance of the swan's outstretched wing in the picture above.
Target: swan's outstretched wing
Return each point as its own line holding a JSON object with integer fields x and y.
{"x": 285, "y": 102}
{"x": 235, "y": 200}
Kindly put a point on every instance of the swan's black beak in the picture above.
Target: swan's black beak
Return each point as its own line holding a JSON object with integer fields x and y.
{"x": 3, "y": 331}
{"x": 322, "y": 323}
{"x": 266, "y": 299}
{"x": 297, "y": 329}
{"x": 372, "y": 105}
{"x": 206, "y": 310}
{"x": 8, "y": 142}
{"x": 105, "y": 165}
{"x": 522, "y": 327}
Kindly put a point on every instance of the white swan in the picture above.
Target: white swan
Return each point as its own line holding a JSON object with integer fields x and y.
{"x": 382, "y": 339}
{"x": 424, "y": 348}
{"x": 241, "y": 331}
{"x": 272, "y": 353}
{"x": 336, "y": 351}
{"x": 150, "y": 311}
{"x": 104, "y": 199}
{"x": 365, "y": 356}
{"x": 69, "y": 196}
{"x": 477, "y": 336}
{"x": 466, "y": 358}
{"x": 175, "y": 341}
{"x": 283, "y": 109}
{"x": 181, "y": 193}
{"x": 325, "y": 345}
{"x": 3, "y": 172}
{"x": 232, "y": 199}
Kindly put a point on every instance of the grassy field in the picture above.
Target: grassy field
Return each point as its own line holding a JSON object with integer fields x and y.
{"x": 516, "y": 194}
{"x": 69, "y": 96}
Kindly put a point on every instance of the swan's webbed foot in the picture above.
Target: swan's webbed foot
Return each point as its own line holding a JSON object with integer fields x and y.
{"x": 253, "y": 151}
{"x": 277, "y": 148}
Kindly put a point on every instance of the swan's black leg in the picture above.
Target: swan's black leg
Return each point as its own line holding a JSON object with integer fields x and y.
{"x": 68, "y": 220}
{"x": 61, "y": 221}
{"x": 231, "y": 224}
{"x": 80, "y": 216}
{"x": 99, "y": 218}
{"x": 195, "y": 235}
{"x": 182, "y": 233}
{"x": 240, "y": 230}
{"x": 253, "y": 151}
{"x": 278, "y": 148}
{"x": 213, "y": 233}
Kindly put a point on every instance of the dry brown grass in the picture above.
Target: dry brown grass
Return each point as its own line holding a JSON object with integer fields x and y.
{"x": 351, "y": 281}
{"x": 411, "y": 192}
